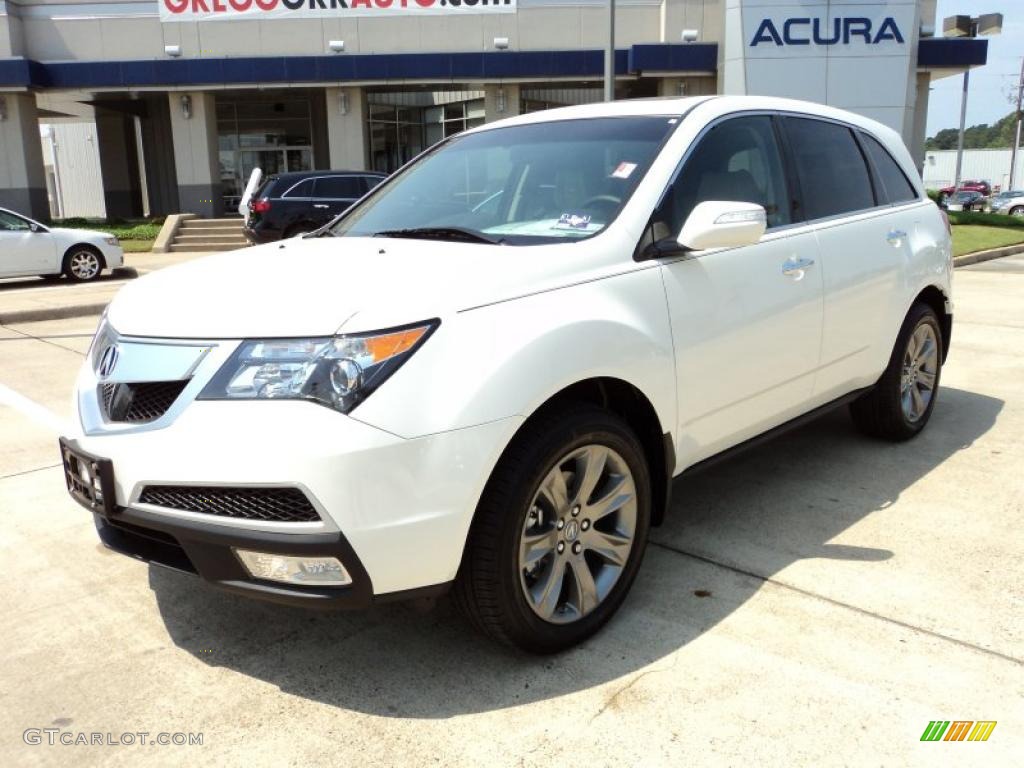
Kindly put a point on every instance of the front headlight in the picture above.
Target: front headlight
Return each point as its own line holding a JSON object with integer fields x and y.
{"x": 339, "y": 372}
{"x": 111, "y": 240}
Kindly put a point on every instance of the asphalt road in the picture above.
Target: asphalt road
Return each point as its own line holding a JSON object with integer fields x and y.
{"x": 816, "y": 601}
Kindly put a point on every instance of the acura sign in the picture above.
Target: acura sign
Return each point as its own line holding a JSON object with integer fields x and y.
{"x": 840, "y": 31}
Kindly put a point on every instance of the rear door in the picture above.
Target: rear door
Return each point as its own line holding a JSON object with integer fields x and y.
{"x": 862, "y": 260}
{"x": 334, "y": 194}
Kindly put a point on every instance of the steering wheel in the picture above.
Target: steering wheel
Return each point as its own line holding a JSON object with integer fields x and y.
{"x": 608, "y": 199}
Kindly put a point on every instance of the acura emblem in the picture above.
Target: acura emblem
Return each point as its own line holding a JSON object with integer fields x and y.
{"x": 108, "y": 361}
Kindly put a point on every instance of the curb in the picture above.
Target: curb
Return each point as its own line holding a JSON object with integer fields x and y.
{"x": 995, "y": 253}
{"x": 51, "y": 313}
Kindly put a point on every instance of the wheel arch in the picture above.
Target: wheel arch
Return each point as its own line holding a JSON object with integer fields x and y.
{"x": 631, "y": 405}
{"x": 936, "y": 298}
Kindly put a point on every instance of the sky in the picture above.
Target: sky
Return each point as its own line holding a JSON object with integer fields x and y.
{"x": 990, "y": 85}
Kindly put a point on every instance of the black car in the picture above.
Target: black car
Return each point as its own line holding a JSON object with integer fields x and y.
{"x": 288, "y": 204}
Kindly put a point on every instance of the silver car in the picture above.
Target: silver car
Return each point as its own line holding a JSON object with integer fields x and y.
{"x": 1010, "y": 202}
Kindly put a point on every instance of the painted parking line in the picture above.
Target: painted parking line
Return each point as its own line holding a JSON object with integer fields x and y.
{"x": 33, "y": 410}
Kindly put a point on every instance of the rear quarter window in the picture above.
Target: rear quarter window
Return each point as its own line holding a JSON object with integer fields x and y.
{"x": 834, "y": 177}
{"x": 302, "y": 189}
{"x": 895, "y": 185}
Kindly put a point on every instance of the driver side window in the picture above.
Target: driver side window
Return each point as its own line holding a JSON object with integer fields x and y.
{"x": 11, "y": 223}
{"x": 736, "y": 160}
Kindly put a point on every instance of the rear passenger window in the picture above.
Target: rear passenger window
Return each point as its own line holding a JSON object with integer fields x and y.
{"x": 833, "y": 176}
{"x": 339, "y": 187}
{"x": 302, "y": 189}
{"x": 372, "y": 181}
{"x": 897, "y": 188}
{"x": 737, "y": 160}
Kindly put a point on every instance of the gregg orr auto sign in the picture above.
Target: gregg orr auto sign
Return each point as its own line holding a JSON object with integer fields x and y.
{"x": 234, "y": 10}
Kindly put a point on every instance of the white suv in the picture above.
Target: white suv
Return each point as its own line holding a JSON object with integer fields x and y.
{"x": 486, "y": 374}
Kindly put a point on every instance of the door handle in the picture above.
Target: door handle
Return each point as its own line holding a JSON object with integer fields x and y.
{"x": 896, "y": 237}
{"x": 795, "y": 268}
{"x": 320, "y": 205}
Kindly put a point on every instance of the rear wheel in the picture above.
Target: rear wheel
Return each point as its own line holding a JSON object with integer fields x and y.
{"x": 1017, "y": 211}
{"x": 82, "y": 264}
{"x": 900, "y": 404}
{"x": 559, "y": 533}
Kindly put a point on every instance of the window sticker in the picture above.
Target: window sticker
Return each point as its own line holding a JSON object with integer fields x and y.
{"x": 572, "y": 221}
{"x": 624, "y": 170}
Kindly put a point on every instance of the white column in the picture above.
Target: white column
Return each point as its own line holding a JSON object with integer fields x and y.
{"x": 196, "y": 161}
{"x": 22, "y": 174}
{"x": 500, "y": 101}
{"x": 347, "y": 129}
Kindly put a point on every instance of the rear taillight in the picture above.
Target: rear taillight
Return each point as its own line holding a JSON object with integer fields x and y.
{"x": 260, "y": 206}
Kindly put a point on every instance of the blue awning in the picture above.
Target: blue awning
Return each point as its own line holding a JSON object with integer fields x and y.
{"x": 489, "y": 65}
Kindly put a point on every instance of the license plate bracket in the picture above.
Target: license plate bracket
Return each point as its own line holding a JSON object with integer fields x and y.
{"x": 89, "y": 479}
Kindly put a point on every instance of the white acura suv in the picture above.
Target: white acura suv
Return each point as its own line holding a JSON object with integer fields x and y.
{"x": 485, "y": 375}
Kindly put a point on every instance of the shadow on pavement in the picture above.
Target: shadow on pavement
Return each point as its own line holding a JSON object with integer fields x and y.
{"x": 23, "y": 283}
{"x": 766, "y": 509}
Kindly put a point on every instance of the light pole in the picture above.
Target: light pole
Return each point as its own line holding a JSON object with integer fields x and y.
{"x": 968, "y": 26}
{"x": 1016, "y": 139}
{"x": 609, "y": 55}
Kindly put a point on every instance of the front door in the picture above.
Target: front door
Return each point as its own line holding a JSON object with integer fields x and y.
{"x": 746, "y": 322}
{"x": 22, "y": 251}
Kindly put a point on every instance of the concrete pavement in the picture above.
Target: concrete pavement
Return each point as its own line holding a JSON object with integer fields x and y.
{"x": 816, "y": 601}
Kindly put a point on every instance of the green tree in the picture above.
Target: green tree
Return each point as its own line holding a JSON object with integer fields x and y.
{"x": 983, "y": 136}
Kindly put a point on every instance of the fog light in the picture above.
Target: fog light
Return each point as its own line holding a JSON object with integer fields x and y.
{"x": 318, "y": 571}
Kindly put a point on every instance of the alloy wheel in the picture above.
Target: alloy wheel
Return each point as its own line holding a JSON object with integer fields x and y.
{"x": 920, "y": 372}
{"x": 578, "y": 534}
{"x": 84, "y": 265}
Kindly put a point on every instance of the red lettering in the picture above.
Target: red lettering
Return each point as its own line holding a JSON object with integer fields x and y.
{"x": 384, "y": 3}
{"x": 241, "y": 5}
{"x": 199, "y": 6}
{"x": 176, "y": 6}
{"x": 218, "y": 6}
{"x": 266, "y": 5}
{"x": 360, "y": 4}
{"x": 424, "y": 3}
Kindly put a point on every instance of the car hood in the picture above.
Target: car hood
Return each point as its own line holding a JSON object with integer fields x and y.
{"x": 317, "y": 286}
{"x": 78, "y": 235}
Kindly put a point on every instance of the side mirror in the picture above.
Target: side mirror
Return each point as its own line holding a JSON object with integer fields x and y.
{"x": 723, "y": 224}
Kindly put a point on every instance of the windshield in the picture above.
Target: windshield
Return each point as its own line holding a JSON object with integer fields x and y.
{"x": 520, "y": 185}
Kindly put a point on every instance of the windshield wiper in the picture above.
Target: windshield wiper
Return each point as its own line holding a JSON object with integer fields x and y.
{"x": 442, "y": 233}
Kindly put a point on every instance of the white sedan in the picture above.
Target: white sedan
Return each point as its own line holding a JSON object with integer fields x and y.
{"x": 29, "y": 248}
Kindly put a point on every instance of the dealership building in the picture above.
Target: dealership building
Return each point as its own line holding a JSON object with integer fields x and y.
{"x": 181, "y": 99}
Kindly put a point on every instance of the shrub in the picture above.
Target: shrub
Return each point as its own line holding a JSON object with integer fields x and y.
{"x": 986, "y": 219}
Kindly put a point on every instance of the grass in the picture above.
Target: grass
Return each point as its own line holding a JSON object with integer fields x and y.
{"x": 968, "y": 238}
{"x": 136, "y": 235}
{"x": 137, "y": 246}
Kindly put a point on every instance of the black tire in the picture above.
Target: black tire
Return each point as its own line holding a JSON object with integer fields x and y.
{"x": 1017, "y": 210}
{"x": 68, "y": 265}
{"x": 880, "y": 412}
{"x": 488, "y": 588}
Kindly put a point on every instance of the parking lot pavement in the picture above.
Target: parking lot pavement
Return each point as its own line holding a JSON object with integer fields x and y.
{"x": 816, "y": 601}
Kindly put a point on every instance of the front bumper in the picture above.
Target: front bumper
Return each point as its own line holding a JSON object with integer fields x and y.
{"x": 395, "y": 512}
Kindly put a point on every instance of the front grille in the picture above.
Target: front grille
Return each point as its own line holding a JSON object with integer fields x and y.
{"x": 139, "y": 403}
{"x": 279, "y": 505}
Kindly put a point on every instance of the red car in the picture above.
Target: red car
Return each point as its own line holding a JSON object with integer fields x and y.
{"x": 968, "y": 186}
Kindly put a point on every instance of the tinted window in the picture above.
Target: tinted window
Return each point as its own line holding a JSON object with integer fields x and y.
{"x": 737, "y": 160}
{"x": 372, "y": 181}
{"x": 834, "y": 178}
{"x": 302, "y": 189}
{"x": 894, "y": 182}
{"x": 338, "y": 187}
{"x": 11, "y": 223}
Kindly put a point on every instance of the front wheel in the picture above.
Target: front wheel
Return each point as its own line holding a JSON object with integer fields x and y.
{"x": 901, "y": 402}
{"x": 559, "y": 533}
{"x": 82, "y": 264}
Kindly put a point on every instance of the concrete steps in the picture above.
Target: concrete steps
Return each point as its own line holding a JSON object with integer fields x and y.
{"x": 196, "y": 235}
